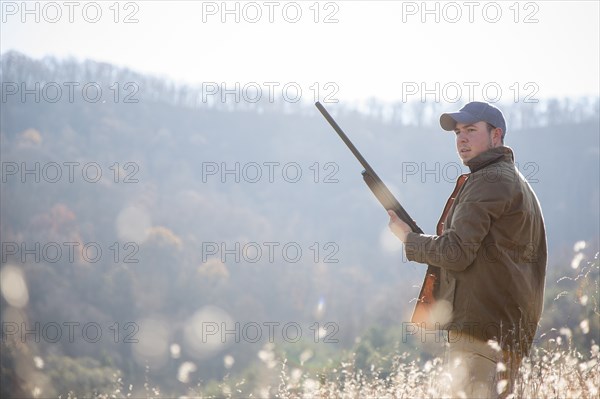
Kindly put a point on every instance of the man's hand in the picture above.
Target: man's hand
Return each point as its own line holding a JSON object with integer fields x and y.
{"x": 398, "y": 227}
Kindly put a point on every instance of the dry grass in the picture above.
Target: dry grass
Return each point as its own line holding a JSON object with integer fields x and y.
{"x": 555, "y": 371}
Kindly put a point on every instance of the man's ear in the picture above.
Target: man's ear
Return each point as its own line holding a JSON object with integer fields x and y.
{"x": 497, "y": 136}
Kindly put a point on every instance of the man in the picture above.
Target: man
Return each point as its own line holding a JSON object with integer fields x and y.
{"x": 487, "y": 263}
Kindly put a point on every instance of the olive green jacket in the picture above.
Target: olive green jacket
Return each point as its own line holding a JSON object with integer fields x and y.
{"x": 487, "y": 265}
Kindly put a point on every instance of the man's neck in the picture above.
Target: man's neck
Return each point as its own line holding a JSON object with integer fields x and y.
{"x": 490, "y": 156}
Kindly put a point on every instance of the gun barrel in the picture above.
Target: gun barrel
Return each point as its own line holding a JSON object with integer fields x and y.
{"x": 377, "y": 186}
{"x": 345, "y": 138}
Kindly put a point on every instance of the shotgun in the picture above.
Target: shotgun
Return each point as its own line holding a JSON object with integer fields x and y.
{"x": 430, "y": 288}
{"x": 383, "y": 194}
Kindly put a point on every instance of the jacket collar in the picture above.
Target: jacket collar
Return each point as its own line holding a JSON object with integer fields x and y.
{"x": 493, "y": 155}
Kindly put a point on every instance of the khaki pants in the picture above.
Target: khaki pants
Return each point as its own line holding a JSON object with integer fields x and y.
{"x": 478, "y": 369}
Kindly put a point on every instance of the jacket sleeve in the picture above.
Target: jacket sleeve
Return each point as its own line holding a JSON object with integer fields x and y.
{"x": 480, "y": 203}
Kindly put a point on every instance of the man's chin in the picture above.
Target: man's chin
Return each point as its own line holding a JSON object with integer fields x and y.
{"x": 465, "y": 158}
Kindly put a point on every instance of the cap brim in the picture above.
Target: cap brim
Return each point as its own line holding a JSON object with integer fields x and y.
{"x": 449, "y": 120}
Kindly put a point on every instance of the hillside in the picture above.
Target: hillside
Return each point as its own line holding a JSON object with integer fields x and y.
{"x": 154, "y": 218}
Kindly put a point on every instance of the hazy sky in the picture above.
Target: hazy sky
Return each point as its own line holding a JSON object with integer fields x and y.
{"x": 348, "y": 50}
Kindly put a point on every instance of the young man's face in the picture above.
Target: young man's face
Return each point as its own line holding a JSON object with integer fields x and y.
{"x": 473, "y": 139}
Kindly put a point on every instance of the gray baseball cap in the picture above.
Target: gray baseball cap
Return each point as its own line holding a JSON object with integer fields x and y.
{"x": 474, "y": 112}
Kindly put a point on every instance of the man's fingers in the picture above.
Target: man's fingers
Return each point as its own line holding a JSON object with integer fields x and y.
{"x": 394, "y": 221}
{"x": 397, "y": 226}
